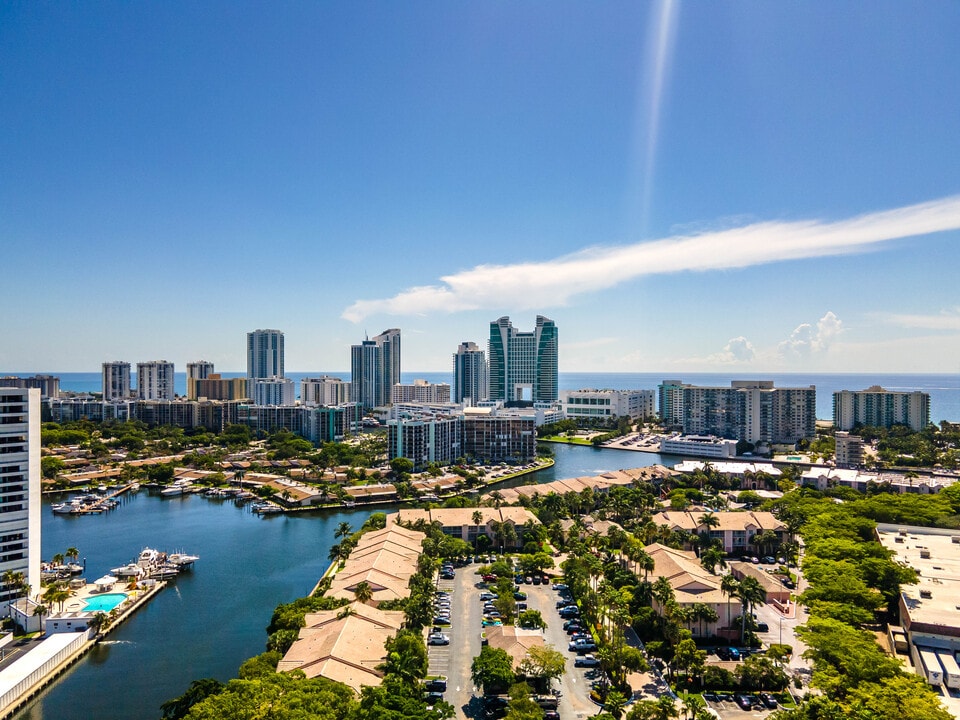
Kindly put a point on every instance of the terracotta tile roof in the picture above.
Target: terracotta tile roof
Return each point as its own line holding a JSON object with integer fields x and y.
{"x": 346, "y": 647}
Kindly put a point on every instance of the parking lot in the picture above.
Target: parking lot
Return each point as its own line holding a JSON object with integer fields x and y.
{"x": 453, "y": 661}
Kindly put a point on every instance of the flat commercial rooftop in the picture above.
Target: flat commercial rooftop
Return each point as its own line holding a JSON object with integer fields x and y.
{"x": 33, "y": 660}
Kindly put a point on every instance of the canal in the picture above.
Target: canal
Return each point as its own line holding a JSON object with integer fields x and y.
{"x": 214, "y": 617}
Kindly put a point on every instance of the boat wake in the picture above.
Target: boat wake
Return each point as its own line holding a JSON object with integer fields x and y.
{"x": 116, "y": 642}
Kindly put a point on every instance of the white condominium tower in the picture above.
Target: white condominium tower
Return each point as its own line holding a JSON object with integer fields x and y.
{"x": 471, "y": 378}
{"x": 324, "y": 390}
{"x": 523, "y": 365}
{"x": 375, "y": 369}
{"x": 878, "y": 407}
{"x": 116, "y": 380}
{"x": 264, "y": 354}
{"x": 19, "y": 487}
{"x": 155, "y": 380}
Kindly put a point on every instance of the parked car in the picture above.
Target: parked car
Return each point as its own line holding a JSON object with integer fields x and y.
{"x": 586, "y": 661}
{"x": 438, "y": 685}
{"x": 438, "y": 639}
{"x": 441, "y": 620}
{"x": 519, "y": 596}
{"x": 560, "y": 586}
{"x": 768, "y": 560}
{"x": 768, "y": 700}
{"x": 551, "y": 715}
{"x": 744, "y": 701}
{"x": 487, "y": 595}
{"x": 433, "y": 698}
{"x": 570, "y": 611}
{"x": 521, "y": 606}
{"x": 734, "y": 654}
{"x": 723, "y": 653}
{"x": 491, "y": 622}
{"x": 489, "y": 578}
{"x": 763, "y": 627}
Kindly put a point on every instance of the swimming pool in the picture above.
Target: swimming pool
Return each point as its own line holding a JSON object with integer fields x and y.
{"x": 104, "y": 603}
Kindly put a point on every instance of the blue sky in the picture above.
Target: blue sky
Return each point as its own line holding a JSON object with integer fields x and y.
{"x": 700, "y": 187}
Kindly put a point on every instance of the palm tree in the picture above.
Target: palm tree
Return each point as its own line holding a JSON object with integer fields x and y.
{"x": 477, "y": 518}
{"x": 693, "y": 705}
{"x": 662, "y": 592}
{"x": 363, "y": 592}
{"x": 39, "y": 611}
{"x": 72, "y": 554}
{"x": 751, "y": 593}
{"x": 729, "y": 586}
{"x": 614, "y": 703}
{"x": 58, "y": 559}
{"x": 344, "y": 530}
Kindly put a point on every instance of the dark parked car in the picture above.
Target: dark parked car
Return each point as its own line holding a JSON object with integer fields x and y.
{"x": 763, "y": 627}
{"x": 744, "y": 701}
{"x": 436, "y": 686}
{"x": 768, "y": 700}
{"x": 570, "y": 611}
{"x": 723, "y": 653}
{"x": 519, "y": 596}
{"x": 551, "y": 715}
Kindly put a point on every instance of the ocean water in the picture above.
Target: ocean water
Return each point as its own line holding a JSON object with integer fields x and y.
{"x": 944, "y": 389}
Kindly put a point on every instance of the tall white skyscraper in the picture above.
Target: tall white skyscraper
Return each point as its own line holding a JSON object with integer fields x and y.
{"x": 375, "y": 369}
{"x": 19, "y": 486}
{"x": 116, "y": 380}
{"x": 155, "y": 380}
{"x": 265, "y": 354}
{"x": 470, "y": 374}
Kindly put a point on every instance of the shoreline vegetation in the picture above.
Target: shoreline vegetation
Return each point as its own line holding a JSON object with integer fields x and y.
{"x": 837, "y": 526}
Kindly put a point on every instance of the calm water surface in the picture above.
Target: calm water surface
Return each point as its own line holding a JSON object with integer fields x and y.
{"x": 213, "y": 618}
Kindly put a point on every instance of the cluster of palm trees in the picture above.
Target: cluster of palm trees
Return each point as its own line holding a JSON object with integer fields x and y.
{"x": 748, "y": 591}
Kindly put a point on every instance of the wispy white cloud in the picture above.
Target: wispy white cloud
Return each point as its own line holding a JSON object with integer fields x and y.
{"x": 552, "y": 283}
{"x": 807, "y": 339}
{"x": 945, "y": 320}
{"x": 591, "y": 343}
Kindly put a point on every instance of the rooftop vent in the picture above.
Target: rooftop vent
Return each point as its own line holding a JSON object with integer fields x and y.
{"x": 926, "y": 594}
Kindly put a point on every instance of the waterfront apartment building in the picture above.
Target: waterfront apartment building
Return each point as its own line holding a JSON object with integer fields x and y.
{"x": 324, "y": 390}
{"x": 116, "y": 381}
{"x": 273, "y": 391}
{"x": 523, "y": 365}
{"x": 19, "y": 487}
{"x": 425, "y": 439}
{"x": 877, "y": 407}
{"x": 264, "y": 354}
{"x": 375, "y": 369}
{"x": 155, "y": 380}
{"x": 493, "y": 438}
{"x": 607, "y": 404}
{"x": 48, "y": 385}
{"x": 750, "y": 410}
{"x": 421, "y": 391}
{"x": 199, "y": 370}
{"x": 471, "y": 378}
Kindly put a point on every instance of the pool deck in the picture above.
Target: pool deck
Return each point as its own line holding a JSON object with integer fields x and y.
{"x": 20, "y": 661}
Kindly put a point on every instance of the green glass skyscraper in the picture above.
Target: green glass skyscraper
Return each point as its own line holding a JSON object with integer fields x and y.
{"x": 523, "y": 365}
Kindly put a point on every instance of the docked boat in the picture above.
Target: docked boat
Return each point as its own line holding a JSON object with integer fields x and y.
{"x": 148, "y": 557}
{"x": 267, "y": 509}
{"x": 164, "y": 571}
{"x": 179, "y": 487}
{"x": 182, "y": 560}
{"x": 132, "y": 570}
